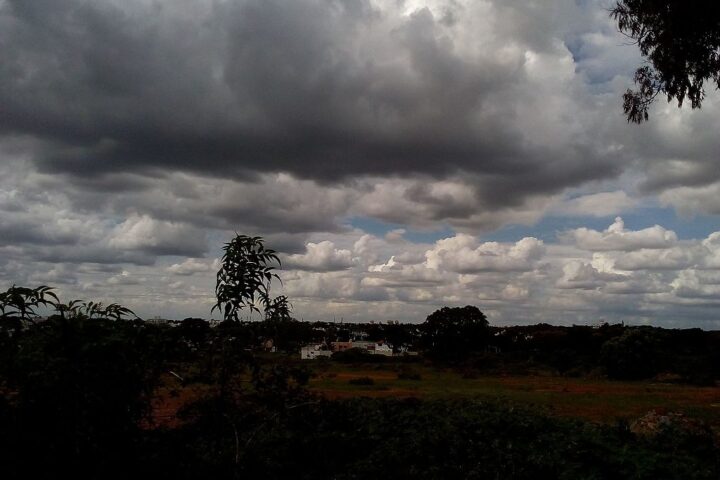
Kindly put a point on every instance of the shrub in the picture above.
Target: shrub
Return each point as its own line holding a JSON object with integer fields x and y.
{"x": 634, "y": 355}
{"x": 353, "y": 355}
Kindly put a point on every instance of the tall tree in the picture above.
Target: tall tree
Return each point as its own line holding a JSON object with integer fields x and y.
{"x": 680, "y": 40}
{"x": 244, "y": 279}
{"x": 455, "y": 332}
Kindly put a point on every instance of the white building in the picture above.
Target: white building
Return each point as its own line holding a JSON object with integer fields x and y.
{"x": 382, "y": 349}
{"x": 374, "y": 348}
{"x": 311, "y": 352}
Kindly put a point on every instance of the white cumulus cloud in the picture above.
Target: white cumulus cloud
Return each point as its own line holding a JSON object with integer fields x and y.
{"x": 320, "y": 257}
{"x": 616, "y": 237}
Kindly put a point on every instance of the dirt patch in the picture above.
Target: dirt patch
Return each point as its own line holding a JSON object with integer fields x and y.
{"x": 168, "y": 402}
{"x": 595, "y": 400}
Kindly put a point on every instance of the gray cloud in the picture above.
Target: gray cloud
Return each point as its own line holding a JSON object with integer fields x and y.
{"x": 325, "y": 90}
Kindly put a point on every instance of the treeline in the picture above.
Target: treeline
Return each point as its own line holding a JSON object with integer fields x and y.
{"x": 616, "y": 351}
{"x": 460, "y": 337}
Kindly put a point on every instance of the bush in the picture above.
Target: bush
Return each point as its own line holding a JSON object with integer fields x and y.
{"x": 450, "y": 440}
{"x": 634, "y": 355}
{"x": 356, "y": 355}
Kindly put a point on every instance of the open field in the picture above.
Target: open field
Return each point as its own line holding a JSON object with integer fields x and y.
{"x": 592, "y": 399}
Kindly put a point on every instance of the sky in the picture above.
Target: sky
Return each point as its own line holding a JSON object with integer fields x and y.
{"x": 401, "y": 155}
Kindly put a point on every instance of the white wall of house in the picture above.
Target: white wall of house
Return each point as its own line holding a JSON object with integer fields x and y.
{"x": 311, "y": 352}
{"x": 383, "y": 349}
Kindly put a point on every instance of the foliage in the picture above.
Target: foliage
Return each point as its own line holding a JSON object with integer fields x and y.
{"x": 633, "y": 355}
{"x": 442, "y": 439}
{"x": 22, "y": 301}
{"x": 454, "y": 332}
{"x": 72, "y": 309}
{"x": 92, "y": 310}
{"x": 244, "y": 278}
{"x": 356, "y": 355}
{"x": 397, "y": 335}
{"x": 279, "y": 308}
{"x": 681, "y": 42}
{"x": 287, "y": 334}
{"x": 194, "y": 332}
{"x": 80, "y": 392}
{"x": 113, "y": 310}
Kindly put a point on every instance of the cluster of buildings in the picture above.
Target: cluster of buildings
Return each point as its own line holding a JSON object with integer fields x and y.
{"x": 313, "y": 351}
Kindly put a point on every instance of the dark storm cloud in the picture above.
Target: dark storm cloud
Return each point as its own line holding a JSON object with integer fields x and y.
{"x": 92, "y": 254}
{"x": 14, "y": 232}
{"x": 325, "y": 90}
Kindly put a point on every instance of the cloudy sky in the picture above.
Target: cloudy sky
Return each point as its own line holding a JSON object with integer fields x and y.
{"x": 401, "y": 154}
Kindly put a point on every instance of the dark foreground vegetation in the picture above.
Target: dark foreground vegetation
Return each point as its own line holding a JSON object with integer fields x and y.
{"x": 77, "y": 393}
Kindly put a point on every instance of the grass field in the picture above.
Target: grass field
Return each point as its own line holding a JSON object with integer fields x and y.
{"x": 592, "y": 399}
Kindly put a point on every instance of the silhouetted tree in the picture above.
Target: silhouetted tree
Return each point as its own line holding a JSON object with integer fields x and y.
{"x": 681, "y": 42}
{"x": 195, "y": 331}
{"x": 397, "y": 334}
{"x": 278, "y": 308}
{"x": 633, "y": 355}
{"x": 244, "y": 278}
{"x": 455, "y": 332}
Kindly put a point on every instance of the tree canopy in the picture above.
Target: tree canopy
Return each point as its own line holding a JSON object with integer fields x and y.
{"x": 680, "y": 41}
{"x": 454, "y": 332}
